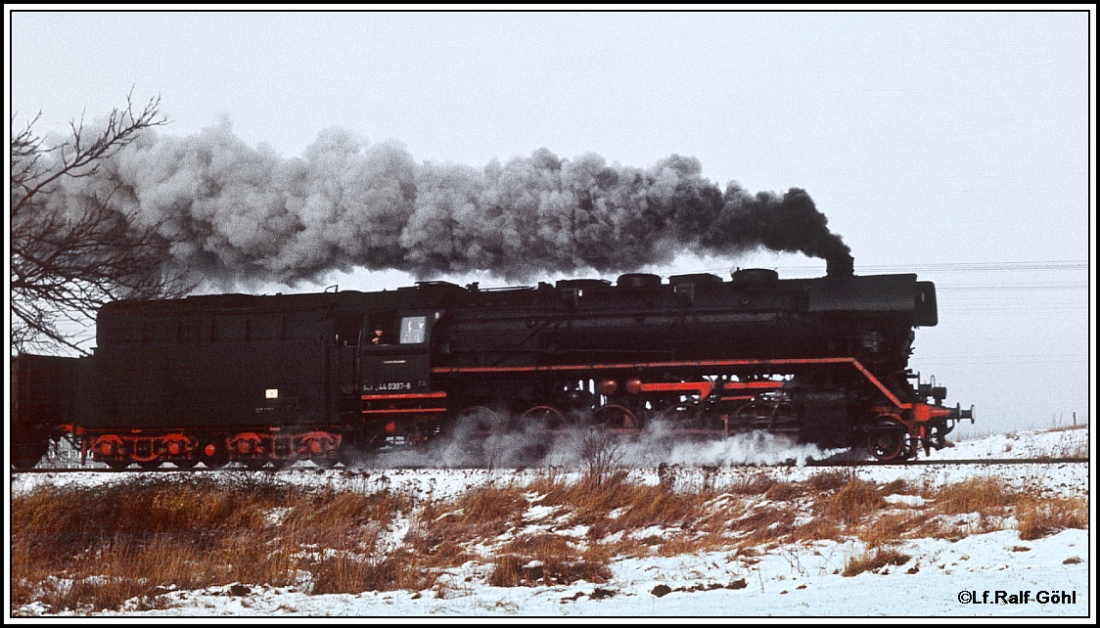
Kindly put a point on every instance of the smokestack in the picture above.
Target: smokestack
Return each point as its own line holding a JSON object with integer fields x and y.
{"x": 840, "y": 266}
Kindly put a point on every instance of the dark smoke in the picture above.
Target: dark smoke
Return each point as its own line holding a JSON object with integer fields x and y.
{"x": 235, "y": 213}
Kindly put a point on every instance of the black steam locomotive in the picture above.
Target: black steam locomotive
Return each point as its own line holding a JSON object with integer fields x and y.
{"x": 277, "y": 379}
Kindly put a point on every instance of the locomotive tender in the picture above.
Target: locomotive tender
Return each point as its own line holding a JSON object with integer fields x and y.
{"x": 277, "y": 379}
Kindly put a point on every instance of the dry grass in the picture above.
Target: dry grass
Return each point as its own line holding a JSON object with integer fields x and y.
{"x": 890, "y": 528}
{"x": 855, "y": 501}
{"x": 1068, "y": 428}
{"x": 347, "y": 574}
{"x": 881, "y": 558}
{"x": 548, "y": 559}
{"x": 983, "y": 495}
{"x": 829, "y": 480}
{"x": 753, "y": 484}
{"x": 818, "y": 529}
{"x": 134, "y": 539}
{"x": 444, "y": 530}
{"x": 767, "y": 523}
{"x": 1038, "y": 518}
{"x": 898, "y": 487}
{"x": 687, "y": 544}
{"x": 784, "y": 491}
{"x": 83, "y": 549}
{"x": 616, "y": 505}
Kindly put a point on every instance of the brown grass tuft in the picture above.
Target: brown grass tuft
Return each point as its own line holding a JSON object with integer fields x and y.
{"x": 881, "y": 558}
{"x": 784, "y": 492}
{"x": 853, "y": 502}
{"x": 695, "y": 544}
{"x": 766, "y": 523}
{"x": 890, "y": 528}
{"x": 754, "y": 484}
{"x": 817, "y": 529}
{"x": 898, "y": 487}
{"x": 829, "y": 480}
{"x": 547, "y": 559}
{"x": 1038, "y": 518}
{"x": 443, "y": 530}
{"x": 983, "y": 495}
{"x": 634, "y": 506}
{"x": 348, "y": 574}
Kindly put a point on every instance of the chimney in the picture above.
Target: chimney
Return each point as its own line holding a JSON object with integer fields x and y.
{"x": 841, "y": 266}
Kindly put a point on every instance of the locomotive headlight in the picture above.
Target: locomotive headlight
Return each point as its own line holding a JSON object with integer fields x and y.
{"x": 271, "y": 393}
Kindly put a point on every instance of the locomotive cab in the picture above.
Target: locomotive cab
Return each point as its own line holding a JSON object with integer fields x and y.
{"x": 395, "y": 352}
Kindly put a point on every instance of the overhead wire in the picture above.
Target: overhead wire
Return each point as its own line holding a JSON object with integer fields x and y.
{"x": 944, "y": 267}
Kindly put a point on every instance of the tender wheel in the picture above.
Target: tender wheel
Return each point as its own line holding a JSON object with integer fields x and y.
{"x": 149, "y": 464}
{"x": 186, "y": 463}
{"x": 888, "y": 441}
{"x": 254, "y": 464}
{"x": 117, "y": 465}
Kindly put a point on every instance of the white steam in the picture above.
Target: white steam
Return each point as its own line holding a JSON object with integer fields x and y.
{"x": 570, "y": 448}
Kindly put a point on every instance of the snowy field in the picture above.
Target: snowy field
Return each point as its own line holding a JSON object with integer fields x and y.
{"x": 983, "y": 574}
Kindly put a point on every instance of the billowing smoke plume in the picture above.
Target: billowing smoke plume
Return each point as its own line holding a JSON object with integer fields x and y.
{"x": 234, "y": 213}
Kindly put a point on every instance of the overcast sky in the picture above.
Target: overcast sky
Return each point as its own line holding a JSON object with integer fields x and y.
{"x": 955, "y": 145}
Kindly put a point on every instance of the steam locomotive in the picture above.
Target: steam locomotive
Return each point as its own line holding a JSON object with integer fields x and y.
{"x": 276, "y": 379}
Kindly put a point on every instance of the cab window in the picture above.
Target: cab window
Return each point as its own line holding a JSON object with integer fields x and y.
{"x": 413, "y": 330}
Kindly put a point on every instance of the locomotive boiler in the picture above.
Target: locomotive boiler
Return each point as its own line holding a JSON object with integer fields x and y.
{"x": 277, "y": 379}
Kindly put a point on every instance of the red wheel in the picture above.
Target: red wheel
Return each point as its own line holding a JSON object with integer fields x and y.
{"x": 769, "y": 415}
{"x": 477, "y": 420}
{"x": 888, "y": 440}
{"x": 547, "y": 416}
{"x": 213, "y": 456}
{"x": 615, "y": 417}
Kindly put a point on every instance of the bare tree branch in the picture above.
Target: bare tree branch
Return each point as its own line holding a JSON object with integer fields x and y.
{"x": 69, "y": 258}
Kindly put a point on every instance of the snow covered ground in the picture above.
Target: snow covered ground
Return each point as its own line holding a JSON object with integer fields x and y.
{"x": 981, "y": 575}
{"x": 787, "y": 582}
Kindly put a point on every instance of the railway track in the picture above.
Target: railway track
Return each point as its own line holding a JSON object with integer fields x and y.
{"x": 968, "y": 462}
{"x": 816, "y": 464}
